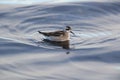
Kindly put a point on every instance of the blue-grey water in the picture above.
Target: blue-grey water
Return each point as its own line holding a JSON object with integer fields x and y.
{"x": 94, "y": 49}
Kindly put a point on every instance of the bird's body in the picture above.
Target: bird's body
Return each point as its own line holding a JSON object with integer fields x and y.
{"x": 57, "y": 35}
{"x": 63, "y": 35}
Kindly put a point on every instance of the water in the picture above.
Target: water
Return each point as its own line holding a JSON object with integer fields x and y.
{"x": 94, "y": 49}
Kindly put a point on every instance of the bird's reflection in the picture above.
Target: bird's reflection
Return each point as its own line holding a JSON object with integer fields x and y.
{"x": 68, "y": 52}
{"x": 63, "y": 44}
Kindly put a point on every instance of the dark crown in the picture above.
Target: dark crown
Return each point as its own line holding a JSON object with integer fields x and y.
{"x": 68, "y": 28}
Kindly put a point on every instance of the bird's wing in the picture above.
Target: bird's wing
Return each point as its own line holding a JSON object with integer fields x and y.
{"x": 57, "y": 33}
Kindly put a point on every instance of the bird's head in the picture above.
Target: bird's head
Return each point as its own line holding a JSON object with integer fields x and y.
{"x": 68, "y": 28}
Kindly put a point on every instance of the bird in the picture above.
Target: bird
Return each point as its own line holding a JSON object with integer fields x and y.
{"x": 58, "y": 36}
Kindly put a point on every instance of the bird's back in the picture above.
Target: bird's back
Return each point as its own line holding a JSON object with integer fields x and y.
{"x": 56, "y": 33}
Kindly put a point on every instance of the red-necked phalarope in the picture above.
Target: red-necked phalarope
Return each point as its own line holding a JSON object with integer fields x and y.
{"x": 58, "y": 36}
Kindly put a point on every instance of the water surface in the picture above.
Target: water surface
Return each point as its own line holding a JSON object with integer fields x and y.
{"x": 94, "y": 49}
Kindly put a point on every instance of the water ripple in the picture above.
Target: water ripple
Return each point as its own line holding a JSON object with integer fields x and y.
{"x": 93, "y": 49}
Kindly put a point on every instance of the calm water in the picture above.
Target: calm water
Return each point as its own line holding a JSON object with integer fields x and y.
{"x": 94, "y": 49}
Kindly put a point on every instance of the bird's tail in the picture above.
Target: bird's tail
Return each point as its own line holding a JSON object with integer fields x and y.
{"x": 43, "y": 33}
{"x": 40, "y": 32}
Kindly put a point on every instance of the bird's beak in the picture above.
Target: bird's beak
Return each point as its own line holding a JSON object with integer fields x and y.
{"x": 72, "y": 32}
